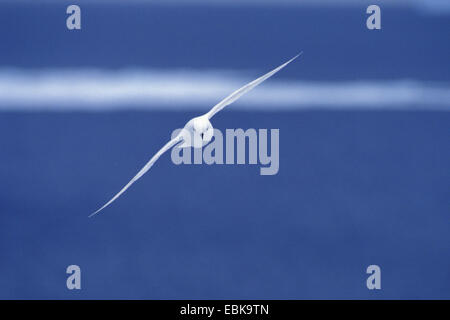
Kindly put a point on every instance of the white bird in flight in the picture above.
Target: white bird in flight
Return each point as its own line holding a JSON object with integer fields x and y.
{"x": 198, "y": 131}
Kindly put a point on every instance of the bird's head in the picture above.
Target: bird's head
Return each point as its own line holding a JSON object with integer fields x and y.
{"x": 197, "y": 132}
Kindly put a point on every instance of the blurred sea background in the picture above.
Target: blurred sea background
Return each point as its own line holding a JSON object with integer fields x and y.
{"x": 364, "y": 150}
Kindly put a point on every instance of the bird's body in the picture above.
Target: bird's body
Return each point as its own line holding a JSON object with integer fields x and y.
{"x": 198, "y": 131}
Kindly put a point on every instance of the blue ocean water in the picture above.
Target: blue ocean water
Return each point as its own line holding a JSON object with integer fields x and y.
{"x": 335, "y": 42}
{"x": 355, "y": 188}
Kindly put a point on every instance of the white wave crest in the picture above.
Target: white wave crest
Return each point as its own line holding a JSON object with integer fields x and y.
{"x": 96, "y": 90}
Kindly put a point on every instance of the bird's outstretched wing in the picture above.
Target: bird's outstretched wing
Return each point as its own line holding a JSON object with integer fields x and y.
{"x": 149, "y": 164}
{"x": 240, "y": 92}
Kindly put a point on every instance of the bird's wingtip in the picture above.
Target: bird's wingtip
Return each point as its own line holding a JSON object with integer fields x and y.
{"x": 94, "y": 213}
{"x": 295, "y": 57}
